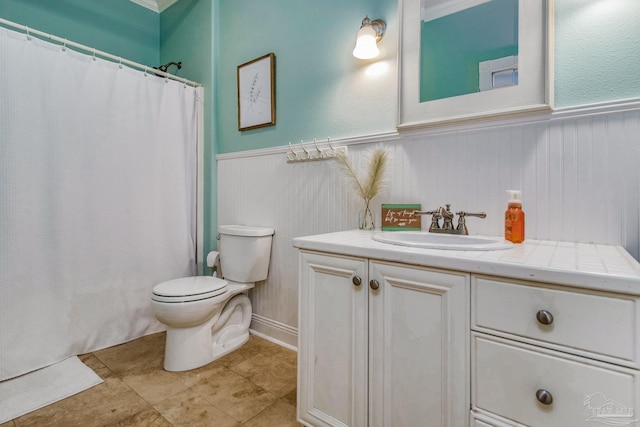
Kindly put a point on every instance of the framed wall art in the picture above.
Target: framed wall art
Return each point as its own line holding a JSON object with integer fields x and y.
{"x": 257, "y": 93}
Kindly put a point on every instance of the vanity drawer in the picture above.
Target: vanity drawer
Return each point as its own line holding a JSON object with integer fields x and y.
{"x": 507, "y": 376}
{"x": 605, "y": 325}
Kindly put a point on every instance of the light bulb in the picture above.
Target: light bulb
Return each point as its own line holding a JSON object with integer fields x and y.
{"x": 366, "y": 45}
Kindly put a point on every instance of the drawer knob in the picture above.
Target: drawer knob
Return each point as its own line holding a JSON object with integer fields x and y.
{"x": 544, "y": 397}
{"x": 374, "y": 284}
{"x": 357, "y": 280}
{"x": 544, "y": 317}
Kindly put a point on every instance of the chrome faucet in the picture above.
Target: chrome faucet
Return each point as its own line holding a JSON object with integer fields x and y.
{"x": 446, "y": 215}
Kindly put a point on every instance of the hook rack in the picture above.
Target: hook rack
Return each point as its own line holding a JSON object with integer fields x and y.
{"x": 314, "y": 152}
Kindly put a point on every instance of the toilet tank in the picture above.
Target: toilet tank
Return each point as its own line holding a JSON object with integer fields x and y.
{"x": 244, "y": 252}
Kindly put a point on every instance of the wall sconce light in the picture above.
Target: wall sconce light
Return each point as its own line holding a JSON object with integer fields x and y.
{"x": 371, "y": 32}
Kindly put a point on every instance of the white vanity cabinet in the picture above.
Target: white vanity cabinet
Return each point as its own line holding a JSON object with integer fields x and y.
{"x": 545, "y": 334}
{"x": 381, "y": 343}
{"x": 546, "y": 355}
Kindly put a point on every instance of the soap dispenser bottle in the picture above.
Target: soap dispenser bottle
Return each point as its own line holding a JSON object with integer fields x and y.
{"x": 514, "y": 218}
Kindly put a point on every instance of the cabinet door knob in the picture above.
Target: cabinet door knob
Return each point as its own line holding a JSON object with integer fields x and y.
{"x": 357, "y": 280}
{"x": 544, "y": 317}
{"x": 374, "y": 284}
{"x": 544, "y": 397}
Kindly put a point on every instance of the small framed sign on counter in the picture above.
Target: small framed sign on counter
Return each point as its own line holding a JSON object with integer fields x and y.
{"x": 401, "y": 217}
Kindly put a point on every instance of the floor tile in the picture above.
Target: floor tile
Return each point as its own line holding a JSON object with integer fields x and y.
{"x": 280, "y": 414}
{"x": 194, "y": 376}
{"x": 250, "y": 349}
{"x": 147, "y": 418}
{"x": 152, "y": 384}
{"x": 188, "y": 408}
{"x": 104, "y": 404}
{"x": 234, "y": 395}
{"x": 292, "y": 397}
{"x": 254, "y": 385}
{"x": 275, "y": 371}
{"x": 97, "y": 366}
{"x": 145, "y": 351}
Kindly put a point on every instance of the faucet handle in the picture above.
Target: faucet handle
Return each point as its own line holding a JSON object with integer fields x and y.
{"x": 426, "y": 212}
{"x": 462, "y": 214}
{"x": 462, "y": 223}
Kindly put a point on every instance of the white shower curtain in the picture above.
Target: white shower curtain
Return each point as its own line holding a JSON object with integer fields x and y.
{"x": 97, "y": 200}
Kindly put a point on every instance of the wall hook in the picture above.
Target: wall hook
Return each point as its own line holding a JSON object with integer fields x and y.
{"x": 330, "y": 146}
{"x": 320, "y": 152}
{"x": 293, "y": 155}
{"x": 306, "y": 153}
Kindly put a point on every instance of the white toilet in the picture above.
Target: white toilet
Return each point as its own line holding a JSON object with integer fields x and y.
{"x": 208, "y": 317}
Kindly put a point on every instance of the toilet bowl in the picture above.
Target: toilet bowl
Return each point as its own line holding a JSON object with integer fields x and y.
{"x": 208, "y": 317}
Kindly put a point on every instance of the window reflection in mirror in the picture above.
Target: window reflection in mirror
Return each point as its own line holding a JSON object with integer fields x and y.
{"x": 469, "y": 50}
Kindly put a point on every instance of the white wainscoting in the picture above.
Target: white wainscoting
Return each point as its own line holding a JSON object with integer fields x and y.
{"x": 578, "y": 171}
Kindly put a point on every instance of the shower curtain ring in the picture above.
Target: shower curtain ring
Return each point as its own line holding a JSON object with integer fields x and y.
{"x": 28, "y": 35}
{"x": 94, "y": 53}
{"x": 120, "y": 64}
{"x": 64, "y": 45}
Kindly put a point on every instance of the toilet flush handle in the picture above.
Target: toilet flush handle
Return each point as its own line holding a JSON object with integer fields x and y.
{"x": 213, "y": 261}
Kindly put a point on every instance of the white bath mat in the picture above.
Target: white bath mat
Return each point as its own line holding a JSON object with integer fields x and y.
{"x": 21, "y": 395}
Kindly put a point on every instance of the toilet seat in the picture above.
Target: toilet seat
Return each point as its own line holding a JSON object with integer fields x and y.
{"x": 187, "y": 289}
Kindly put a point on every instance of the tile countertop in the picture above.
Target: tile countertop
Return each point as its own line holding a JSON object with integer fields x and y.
{"x": 597, "y": 267}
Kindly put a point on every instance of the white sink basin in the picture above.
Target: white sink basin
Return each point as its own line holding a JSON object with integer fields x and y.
{"x": 417, "y": 239}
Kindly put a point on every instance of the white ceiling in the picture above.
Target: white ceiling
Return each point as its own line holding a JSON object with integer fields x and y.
{"x": 155, "y": 5}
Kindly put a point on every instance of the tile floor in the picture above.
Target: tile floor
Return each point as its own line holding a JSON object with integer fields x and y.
{"x": 254, "y": 386}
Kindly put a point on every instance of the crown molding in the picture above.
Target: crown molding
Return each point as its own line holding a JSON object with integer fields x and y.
{"x": 155, "y": 5}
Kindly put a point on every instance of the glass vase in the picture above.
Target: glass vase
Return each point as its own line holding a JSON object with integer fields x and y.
{"x": 366, "y": 218}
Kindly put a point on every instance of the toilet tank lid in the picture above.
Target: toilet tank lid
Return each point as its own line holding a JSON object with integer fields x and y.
{"x": 245, "y": 230}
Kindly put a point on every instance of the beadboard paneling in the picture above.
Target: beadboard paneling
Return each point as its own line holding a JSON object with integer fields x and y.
{"x": 579, "y": 177}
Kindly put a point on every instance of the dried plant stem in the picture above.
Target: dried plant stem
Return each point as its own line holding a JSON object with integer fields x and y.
{"x": 371, "y": 184}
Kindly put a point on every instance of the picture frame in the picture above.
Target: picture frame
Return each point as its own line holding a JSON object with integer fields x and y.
{"x": 257, "y": 93}
{"x": 533, "y": 94}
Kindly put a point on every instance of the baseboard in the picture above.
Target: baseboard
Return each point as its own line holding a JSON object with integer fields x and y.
{"x": 274, "y": 331}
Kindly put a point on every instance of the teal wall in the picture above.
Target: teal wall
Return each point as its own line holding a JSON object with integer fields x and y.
{"x": 186, "y": 34}
{"x": 321, "y": 89}
{"x": 118, "y": 27}
{"x": 452, "y": 47}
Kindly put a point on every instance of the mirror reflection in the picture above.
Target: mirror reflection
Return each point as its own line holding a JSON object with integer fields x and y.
{"x": 467, "y": 46}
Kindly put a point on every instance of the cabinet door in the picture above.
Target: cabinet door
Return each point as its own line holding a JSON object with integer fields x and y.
{"x": 332, "y": 346}
{"x": 418, "y": 331}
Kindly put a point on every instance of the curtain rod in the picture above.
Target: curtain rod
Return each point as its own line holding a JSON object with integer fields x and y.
{"x": 94, "y": 52}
